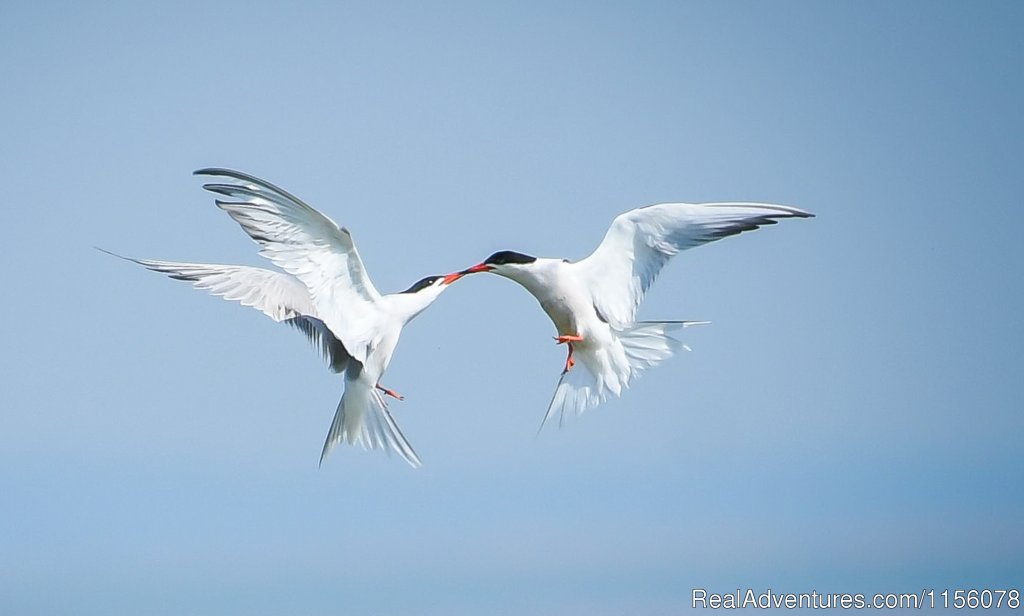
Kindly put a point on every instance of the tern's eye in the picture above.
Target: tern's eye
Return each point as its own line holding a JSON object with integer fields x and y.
{"x": 423, "y": 284}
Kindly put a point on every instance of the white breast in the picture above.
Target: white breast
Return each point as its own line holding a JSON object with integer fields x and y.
{"x": 563, "y": 297}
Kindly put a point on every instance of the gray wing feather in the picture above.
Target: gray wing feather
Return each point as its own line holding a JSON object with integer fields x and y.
{"x": 330, "y": 347}
{"x": 278, "y": 295}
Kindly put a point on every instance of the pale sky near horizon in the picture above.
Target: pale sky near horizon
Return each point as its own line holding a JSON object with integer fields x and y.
{"x": 849, "y": 422}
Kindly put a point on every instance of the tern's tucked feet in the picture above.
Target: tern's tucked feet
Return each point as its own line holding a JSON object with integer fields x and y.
{"x": 570, "y": 338}
{"x": 390, "y": 392}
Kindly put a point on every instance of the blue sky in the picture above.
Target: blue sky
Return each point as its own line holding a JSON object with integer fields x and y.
{"x": 850, "y": 422}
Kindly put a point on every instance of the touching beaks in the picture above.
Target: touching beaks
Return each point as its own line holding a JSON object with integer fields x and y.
{"x": 450, "y": 278}
{"x": 482, "y": 267}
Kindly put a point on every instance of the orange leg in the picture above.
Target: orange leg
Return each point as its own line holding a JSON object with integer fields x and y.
{"x": 569, "y": 361}
{"x": 568, "y": 340}
{"x": 390, "y": 392}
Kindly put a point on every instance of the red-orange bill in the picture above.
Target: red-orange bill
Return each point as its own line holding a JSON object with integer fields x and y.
{"x": 482, "y": 267}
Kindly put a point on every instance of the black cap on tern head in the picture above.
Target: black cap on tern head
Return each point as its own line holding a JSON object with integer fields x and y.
{"x": 423, "y": 284}
{"x": 509, "y": 256}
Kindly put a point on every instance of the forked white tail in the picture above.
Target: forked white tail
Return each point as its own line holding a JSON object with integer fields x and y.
{"x": 363, "y": 419}
{"x": 600, "y": 372}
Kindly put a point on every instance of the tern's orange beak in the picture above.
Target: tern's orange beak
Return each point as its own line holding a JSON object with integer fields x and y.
{"x": 450, "y": 278}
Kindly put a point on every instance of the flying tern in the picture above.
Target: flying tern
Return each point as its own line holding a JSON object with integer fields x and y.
{"x": 593, "y": 302}
{"x": 324, "y": 291}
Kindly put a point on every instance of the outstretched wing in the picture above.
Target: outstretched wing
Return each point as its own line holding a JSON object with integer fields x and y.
{"x": 311, "y": 247}
{"x": 641, "y": 241}
{"x": 276, "y": 294}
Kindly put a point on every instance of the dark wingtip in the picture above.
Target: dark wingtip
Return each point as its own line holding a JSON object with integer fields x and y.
{"x": 251, "y": 179}
{"x": 792, "y": 212}
{"x": 113, "y": 254}
{"x": 221, "y": 189}
{"x": 225, "y": 172}
{"x": 211, "y": 171}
